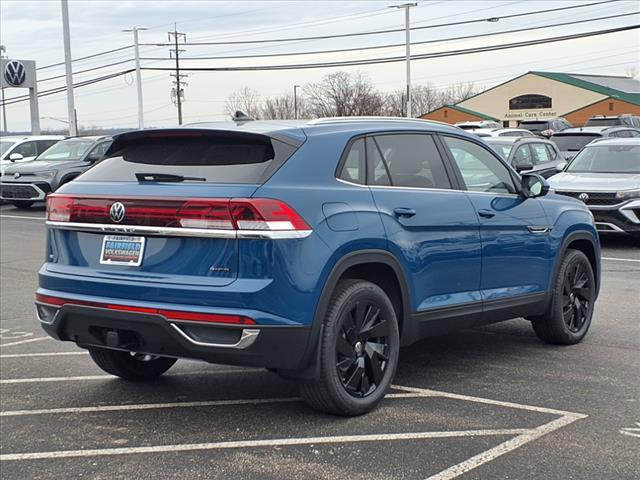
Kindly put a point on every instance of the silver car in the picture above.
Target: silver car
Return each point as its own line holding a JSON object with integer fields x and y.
{"x": 605, "y": 175}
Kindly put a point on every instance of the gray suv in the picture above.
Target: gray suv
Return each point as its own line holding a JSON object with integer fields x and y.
{"x": 529, "y": 154}
{"x": 24, "y": 184}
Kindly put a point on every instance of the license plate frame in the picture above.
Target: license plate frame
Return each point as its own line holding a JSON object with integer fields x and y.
{"x": 126, "y": 253}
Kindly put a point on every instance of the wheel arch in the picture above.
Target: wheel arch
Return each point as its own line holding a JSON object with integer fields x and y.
{"x": 584, "y": 242}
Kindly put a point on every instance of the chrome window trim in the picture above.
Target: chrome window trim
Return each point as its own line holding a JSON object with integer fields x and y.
{"x": 179, "y": 232}
{"x": 247, "y": 338}
{"x": 458, "y": 190}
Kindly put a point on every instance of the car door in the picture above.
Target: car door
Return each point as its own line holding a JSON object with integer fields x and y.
{"x": 543, "y": 164}
{"x": 513, "y": 229}
{"x": 430, "y": 224}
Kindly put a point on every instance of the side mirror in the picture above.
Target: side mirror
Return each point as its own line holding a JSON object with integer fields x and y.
{"x": 561, "y": 166}
{"x": 533, "y": 185}
{"x": 14, "y": 157}
{"x": 523, "y": 165}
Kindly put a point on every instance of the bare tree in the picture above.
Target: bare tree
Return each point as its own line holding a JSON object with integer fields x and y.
{"x": 341, "y": 94}
{"x": 426, "y": 98}
{"x": 283, "y": 108}
{"x": 246, "y": 100}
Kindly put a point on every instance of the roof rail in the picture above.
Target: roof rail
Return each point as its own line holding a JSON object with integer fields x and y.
{"x": 329, "y": 120}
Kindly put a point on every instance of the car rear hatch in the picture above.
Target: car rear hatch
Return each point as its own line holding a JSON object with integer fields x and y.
{"x": 167, "y": 206}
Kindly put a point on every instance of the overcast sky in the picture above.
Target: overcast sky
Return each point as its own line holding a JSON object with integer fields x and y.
{"x": 32, "y": 30}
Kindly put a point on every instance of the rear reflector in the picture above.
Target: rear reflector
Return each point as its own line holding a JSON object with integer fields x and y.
{"x": 220, "y": 214}
{"x": 178, "y": 315}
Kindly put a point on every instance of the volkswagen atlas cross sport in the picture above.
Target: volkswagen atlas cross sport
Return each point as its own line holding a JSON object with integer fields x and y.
{"x": 314, "y": 249}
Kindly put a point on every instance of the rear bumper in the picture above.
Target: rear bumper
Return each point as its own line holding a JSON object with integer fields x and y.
{"x": 270, "y": 346}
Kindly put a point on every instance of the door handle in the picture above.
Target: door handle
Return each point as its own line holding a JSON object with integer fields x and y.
{"x": 404, "y": 212}
{"x": 486, "y": 213}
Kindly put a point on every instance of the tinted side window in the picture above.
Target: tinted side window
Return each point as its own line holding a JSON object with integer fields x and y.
{"x": 353, "y": 168}
{"x": 633, "y": 133}
{"x": 481, "y": 171}
{"x": 552, "y": 152}
{"x": 411, "y": 160}
{"x": 522, "y": 155}
{"x": 26, "y": 149}
{"x": 540, "y": 153}
{"x": 44, "y": 144}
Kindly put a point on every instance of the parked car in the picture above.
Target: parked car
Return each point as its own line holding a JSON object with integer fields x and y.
{"x": 626, "y": 120}
{"x": 571, "y": 141}
{"x": 502, "y": 132}
{"x": 529, "y": 154}
{"x": 313, "y": 249}
{"x": 605, "y": 175}
{"x": 545, "y": 128}
{"x": 17, "y": 149}
{"x": 477, "y": 125}
{"x": 23, "y": 185}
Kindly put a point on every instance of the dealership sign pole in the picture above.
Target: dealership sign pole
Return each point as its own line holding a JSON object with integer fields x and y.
{"x": 22, "y": 74}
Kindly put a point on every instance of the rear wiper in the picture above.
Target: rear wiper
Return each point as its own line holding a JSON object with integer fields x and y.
{"x": 166, "y": 177}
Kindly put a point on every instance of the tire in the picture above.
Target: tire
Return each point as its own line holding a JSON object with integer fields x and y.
{"x": 130, "y": 366}
{"x": 568, "y": 318}
{"x": 356, "y": 368}
{"x": 22, "y": 204}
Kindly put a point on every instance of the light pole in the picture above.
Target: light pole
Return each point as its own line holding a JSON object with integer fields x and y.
{"x": 407, "y": 26}
{"x": 136, "y": 50}
{"x": 71, "y": 109}
{"x": 295, "y": 101}
{"x": 3, "y": 50}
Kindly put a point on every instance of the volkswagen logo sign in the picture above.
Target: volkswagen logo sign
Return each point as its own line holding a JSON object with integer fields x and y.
{"x": 14, "y": 73}
{"x": 16, "y": 175}
{"x": 116, "y": 212}
{"x": 584, "y": 197}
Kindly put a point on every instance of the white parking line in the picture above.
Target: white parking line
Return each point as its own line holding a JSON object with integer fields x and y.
{"x": 275, "y": 442}
{"x": 41, "y": 354}
{"x": 37, "y": 339}
{"x": 621, "y": 259}
{"x": 152, "y": 406}
{"x": 23, "y": 217}
{"x": 81, "y": 378}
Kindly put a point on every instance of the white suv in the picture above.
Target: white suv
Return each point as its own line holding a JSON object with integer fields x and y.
{"x": 24, "y": 148}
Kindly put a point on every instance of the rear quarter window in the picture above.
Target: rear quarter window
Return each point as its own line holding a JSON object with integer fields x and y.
{"x": 216, "y": 158}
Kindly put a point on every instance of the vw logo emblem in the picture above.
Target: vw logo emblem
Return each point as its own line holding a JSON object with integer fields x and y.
{"x": 15, "y": 73}
{"x": 16, "y": 175}
{"x": 116, "y": 212}
{"x": 584, "y": 197}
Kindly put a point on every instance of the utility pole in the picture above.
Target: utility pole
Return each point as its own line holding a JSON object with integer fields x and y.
{"x": 136, "y": 51}
{"x": 177, "y": 92}
{"x": 295, "y": 101}
{"x": 407, "y": 26}
{"x": 3, "y": 50}
{"x": 71, "y": 110}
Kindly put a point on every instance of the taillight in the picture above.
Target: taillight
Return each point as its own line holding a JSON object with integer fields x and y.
{"x": 222, "y": 214}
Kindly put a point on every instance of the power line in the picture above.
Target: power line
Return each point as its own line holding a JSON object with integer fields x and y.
{"x": 395, "y": 30}
{"x": 377, "y": 47}
{"x": 370, "y": 61}
{"x": 106, "y": 52}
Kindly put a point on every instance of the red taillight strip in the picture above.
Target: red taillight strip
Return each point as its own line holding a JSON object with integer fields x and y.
{"x": 178, "y": 315}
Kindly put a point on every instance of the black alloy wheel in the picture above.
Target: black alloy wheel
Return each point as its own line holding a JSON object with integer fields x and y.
{"x": 362, "y": 348}
{"x": 577, "y": 296}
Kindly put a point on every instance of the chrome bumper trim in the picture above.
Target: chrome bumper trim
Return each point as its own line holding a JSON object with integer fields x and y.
{"x": 247, "y": 338}
{"x": 179, "y": 232}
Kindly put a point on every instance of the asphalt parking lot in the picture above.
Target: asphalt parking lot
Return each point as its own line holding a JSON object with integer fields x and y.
{"x": 487, "y": 403}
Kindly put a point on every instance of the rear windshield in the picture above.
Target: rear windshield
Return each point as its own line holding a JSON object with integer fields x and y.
{"x": 468, "y": 127}
{"x": 203, "y": 158}
{"x": 572, "y": 143}
{"x": 535, "y": 127}
{"x": 603, "y": 122}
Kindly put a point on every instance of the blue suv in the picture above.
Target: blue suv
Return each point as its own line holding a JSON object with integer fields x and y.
{"x": 314, "y": 249}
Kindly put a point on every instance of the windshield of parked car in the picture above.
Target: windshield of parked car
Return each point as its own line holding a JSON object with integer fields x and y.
{"x": 503, "y": 149}
{"x": 573, "y": 143}
{"x": 71, "y": 149}
{"x": 607, "y": 159}
{"x": 603, "y": 122}
{"x": 5, "y": 145}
